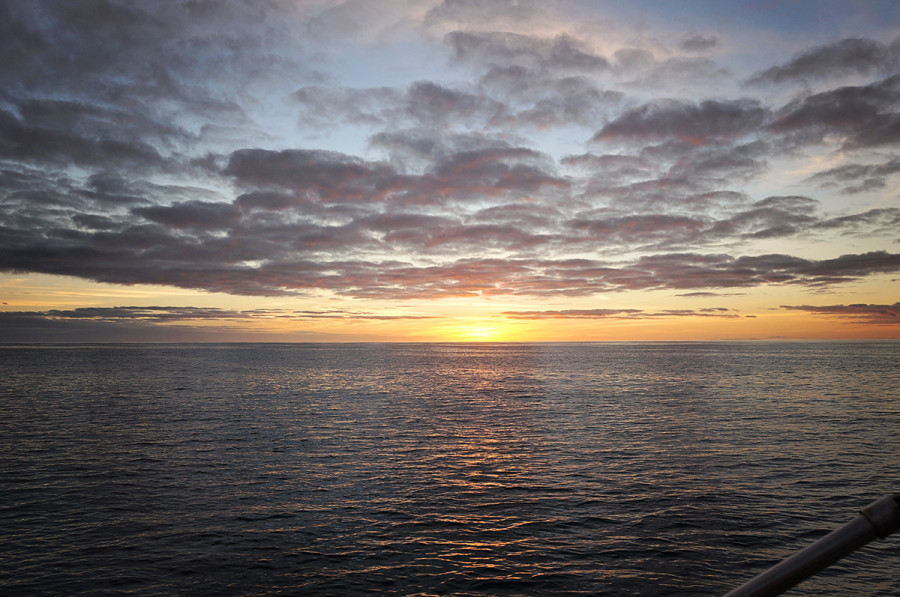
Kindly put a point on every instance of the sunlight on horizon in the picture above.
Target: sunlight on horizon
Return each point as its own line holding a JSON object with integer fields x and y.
{"x": 478, "y": 330}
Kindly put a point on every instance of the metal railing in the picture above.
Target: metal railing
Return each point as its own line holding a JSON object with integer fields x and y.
{"x": 878, "y": 519}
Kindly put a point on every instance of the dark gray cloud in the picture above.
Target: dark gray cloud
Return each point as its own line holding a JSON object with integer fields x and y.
{"x": 577, "y": 277}
{"x": 862, "y": 115}
{"x": 491, "y": 172}
{"x": 642, "y": 70}
{"x": 683, "y": 271}
{"x": 856, "y": 313}
{"x": 190, "y": 314}
{"x": 709, "y": 121}
{"x": 642, "y": 230}
{"x": 419, "y": 148}
{"x": 161, "y": 253}
{"x": 108, "y": 84}
{"x": 327, "y": 176}
{"x": 503, "y": 54}
{"x": 575, "y": 314}
{"x": 772, "y": 217}
{"x": 505, "y": 97}
{"x": 721, "y": 166}
{"x": 526, "y": 215}
{"x": 699, "y": 43}
{"x": 849, "y": 55}
{"x": 538, "y": 99}
{"x": 127, "y": 53}
{"x": 857, "y": 178}
{"x": 324, "y": 220}
{"x": 324, "y": 106}
{"x": 167, "y": 324}
{"x": 429, "y": 103}
{"x": 152, "y": 313}
{"x": 627, "y": 314}
{"x": 424, "y": 103}
{"x": 68, "y": 134}
{"x": 528, "y": 81}
{"x": 119, "y": 324}
{"x": 331, "y": 177}
{"x": 560, "y": 53}
{"x": 262, "y": 256}
{"x": 480, "y": 12}
{"x": 763, "y": 219}
{"x": 848, "y": 267}
{"x": 882, "y": 221}
{"x": 194, "y": 214}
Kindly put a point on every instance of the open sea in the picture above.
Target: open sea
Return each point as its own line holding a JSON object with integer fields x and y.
{"x": 441, "y": 469}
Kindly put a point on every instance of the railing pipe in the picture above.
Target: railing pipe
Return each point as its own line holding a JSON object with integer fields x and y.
{"x": 878, "y": 519}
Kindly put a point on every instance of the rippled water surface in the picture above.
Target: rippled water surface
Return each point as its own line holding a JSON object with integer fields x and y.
{"x": 440, "y": 469}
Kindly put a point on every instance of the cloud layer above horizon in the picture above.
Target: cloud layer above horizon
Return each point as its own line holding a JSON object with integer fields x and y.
{"x": 465, "y": 148}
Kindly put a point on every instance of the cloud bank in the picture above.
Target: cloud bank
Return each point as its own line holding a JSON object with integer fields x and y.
{"x": 257, "y": 149}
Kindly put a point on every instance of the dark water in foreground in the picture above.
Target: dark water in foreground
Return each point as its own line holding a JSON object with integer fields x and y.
{"x": 448, "y": 469}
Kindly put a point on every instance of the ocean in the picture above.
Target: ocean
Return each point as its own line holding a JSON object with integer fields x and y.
{"x": 441, "y": 469}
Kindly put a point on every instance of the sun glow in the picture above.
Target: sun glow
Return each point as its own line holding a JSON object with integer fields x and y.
{"x": 479, "y": 330}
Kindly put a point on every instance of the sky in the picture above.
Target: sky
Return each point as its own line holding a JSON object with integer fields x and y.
{"x": 457, "y": 170}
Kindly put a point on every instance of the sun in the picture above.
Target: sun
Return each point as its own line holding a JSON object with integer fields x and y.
{"x": 481, "y": 334}
{"x": 477, "y": 330}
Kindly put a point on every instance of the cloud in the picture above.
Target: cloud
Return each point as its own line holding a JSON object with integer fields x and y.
{"x": 560, "y": 53}
{"x": 699, "y": 43}
{"x": 857, "y": 313}
{"x": 290, "y": 149}
{"x": 470, "y": 14}
{"x": 846, "y": 56}
{"x": 119, "y": 324}
{"x": 124, "y": 52}
{"x": 193, "y": 214}
{"x": 701, "y": 294}
{"x": 328, "y": 106}
{"x": 110, "y": 84}
{"x": 327, "y": 176}
{"x": 542, "y": 100}
{"x": 419, "y": 148}
{"x": 525, "y": 215}
{"x": 350, "y": 315}
{"x": 642, "y": 70}
{"x": 706, "y": 122}
{"x": 491, "y": 172}
{"x": 75, "y": 134}
{"x": 170, "y": 324}
{"x": 720, "y": 166}
{"x": 772, "y": 217}
{"x": 874, "y": 221}
{"x": 423, "y": 103}
{"x": 849, "y": 266}
{"x": 505, "y": 96}
{"x": 580, "y": 277}
{"x": 857, "y": 178}
{"x": 332, "y": 177}
{"x": 641, "y": 229}
{"x": 684, "y": 271}
{"x": 862, "y": 116}
{"x": 314, "y": 219}
{"x": 626, "y": 314}
{"x": 152, "y": 313}
{"x": 160, "y": 314}
{"x": 429, "y": 103}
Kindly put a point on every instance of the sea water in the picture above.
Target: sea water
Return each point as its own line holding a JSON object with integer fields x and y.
{"x": 441, "y": 469}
